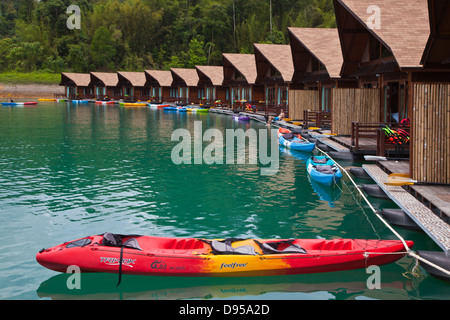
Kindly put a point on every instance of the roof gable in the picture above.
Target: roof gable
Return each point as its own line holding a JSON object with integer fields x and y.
{"x": 244, "y": 63}
{"x": 108, "y": 79}
{"x": 164, "y": 78}
{"x": 79, "y": 79}
{"x": 404, "y": 26}
{"x": 279, "y": 56}
{"x": 189, "y": 76}
{"x": 137, "y": 79}
{"x": 323, "y": 44}
{"x": 213, "y": 73}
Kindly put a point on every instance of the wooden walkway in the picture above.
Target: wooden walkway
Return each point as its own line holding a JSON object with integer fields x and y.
{"x": 437, "y": 198}
{"x": 366, "y": 145}
{"x": 436, "y": 228}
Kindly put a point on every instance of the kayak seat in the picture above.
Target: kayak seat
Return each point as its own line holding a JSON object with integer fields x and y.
{"x": 326, "y": 169}
{"x": 336, "y": 245}
{"x": 116, "y": 240}
{"x": 183, "y": 244}
{"x": 281, "y": 247}
{"x": 320, "y": 161}
{"x": 225, "y": 248}
{"x": 289, "y": 136}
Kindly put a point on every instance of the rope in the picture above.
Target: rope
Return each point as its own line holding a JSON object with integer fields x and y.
{"x": 408, "y": 251}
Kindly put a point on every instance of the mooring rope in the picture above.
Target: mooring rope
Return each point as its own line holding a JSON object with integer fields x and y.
{"x": 408, "y": 250}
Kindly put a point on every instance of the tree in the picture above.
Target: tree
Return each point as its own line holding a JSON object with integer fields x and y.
{"x": 101, "y": 49}
{"x": 196, "y": 53}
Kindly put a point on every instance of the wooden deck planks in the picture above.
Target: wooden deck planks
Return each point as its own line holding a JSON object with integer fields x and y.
{"x": 436, "y": 228}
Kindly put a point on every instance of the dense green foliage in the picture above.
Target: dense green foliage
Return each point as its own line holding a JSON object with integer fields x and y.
{"x": 145, "y": 34}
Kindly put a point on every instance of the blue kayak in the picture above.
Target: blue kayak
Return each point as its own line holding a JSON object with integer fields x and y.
{"x": 297, "y": 144}
{"x": 323, "y": 170}
{"x": 80, "y": 101}
{"x": 170, "y": 108}
{"x": 18, "y": 103}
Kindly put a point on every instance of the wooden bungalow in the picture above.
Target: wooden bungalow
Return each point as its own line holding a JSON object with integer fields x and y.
{"x": 186, "y": 82}
{"x": 211, "y": 85}
{"x": 382, "y": 43}
{"x": 381, "y": 49}
{"x": 317, "y": 58}
{"x": 275, "y": 70}
{"x": 160, "y": 83}
{"x": 105, "y": 86}
{"x": 77, "y": 85}
{"x": 133, "y": 86}
{"x": 239, "y": 71}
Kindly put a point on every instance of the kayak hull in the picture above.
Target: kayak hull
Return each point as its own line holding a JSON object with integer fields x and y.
{"x": 193, "y": 257}
{"x": 242, "y": 118}
{"x": 105, "y": 102}
{"x": 170, "y": 108}
{"x": 19, "y": 103}
{"x": 323, "y": 178}
{"x": 297, "y": 144}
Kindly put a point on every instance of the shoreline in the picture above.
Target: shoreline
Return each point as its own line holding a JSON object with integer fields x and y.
{"x": 32, "y": 90}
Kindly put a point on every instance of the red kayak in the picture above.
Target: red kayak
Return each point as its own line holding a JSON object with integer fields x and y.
{"x": 156, "y": 256}
{"x": 283, "y": 131}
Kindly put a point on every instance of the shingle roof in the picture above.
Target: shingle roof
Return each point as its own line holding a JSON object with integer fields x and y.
{"x": 280, "y": 57}
{"x": 404, "y": 26}
{"x": 324, "y": 44}
{"x": 215, "y": 74}
{"x": 80, "y": 79}
{"x": 137, "y": 79}
{"x": 245, "y": 64}
{"x": 108, "y": 79}
{"x": 164, "y": 78}
{"x": 189, "y": 76}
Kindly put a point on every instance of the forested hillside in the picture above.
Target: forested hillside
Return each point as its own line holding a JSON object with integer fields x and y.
{"x": 145, "y": 34}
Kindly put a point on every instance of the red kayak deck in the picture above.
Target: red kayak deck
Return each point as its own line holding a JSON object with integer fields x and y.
{"x": 157, "y": 256}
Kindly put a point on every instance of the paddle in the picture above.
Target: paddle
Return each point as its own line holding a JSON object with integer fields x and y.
{"x": 374, "y": 158}
{"x": 398, "y": 179}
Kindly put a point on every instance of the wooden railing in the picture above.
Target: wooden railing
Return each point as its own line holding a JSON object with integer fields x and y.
{"x": 364, "y": 130}
{"x": 321, "y": 119}
{"x": 374, "y": 130}
{"x": 384, "y": 147}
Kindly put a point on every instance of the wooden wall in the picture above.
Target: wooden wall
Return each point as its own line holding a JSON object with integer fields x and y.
{"x": 430, "y": 133}
{"x": 355, "y": 104}
{"x": 300, "y": 100}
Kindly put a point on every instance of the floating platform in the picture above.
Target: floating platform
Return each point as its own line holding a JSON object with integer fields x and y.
{"x": 436, "y": 228}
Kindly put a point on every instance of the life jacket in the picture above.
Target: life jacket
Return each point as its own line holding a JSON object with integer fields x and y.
{"x": 405, "y": 122}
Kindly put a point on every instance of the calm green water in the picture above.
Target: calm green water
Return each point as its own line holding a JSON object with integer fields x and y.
{"x": 69, "y": 171}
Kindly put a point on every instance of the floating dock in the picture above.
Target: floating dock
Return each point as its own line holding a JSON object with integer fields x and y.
{"x": 435, "y": 227}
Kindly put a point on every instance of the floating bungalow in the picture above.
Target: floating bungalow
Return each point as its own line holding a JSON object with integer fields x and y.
{"x": 105, "y": 86}
{"x": 275, "y": 70}
{"x": 211, "y": 85}
{"x": 133, "y": 86}
{"x": 382, "y": 59}
{"x": 317, "y": 59}
{"x": 77, "y": 85}
{"x": 160, "y": 83}
{"x": 186, "y": 83}
{"x": 240, "y": 74}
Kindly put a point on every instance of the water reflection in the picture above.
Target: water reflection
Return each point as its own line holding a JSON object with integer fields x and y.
{"x": 69, "y": 171}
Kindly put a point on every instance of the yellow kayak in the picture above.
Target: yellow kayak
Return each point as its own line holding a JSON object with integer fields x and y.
{"x": 131, "y": 104}
{"x": 46, "y": 100}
